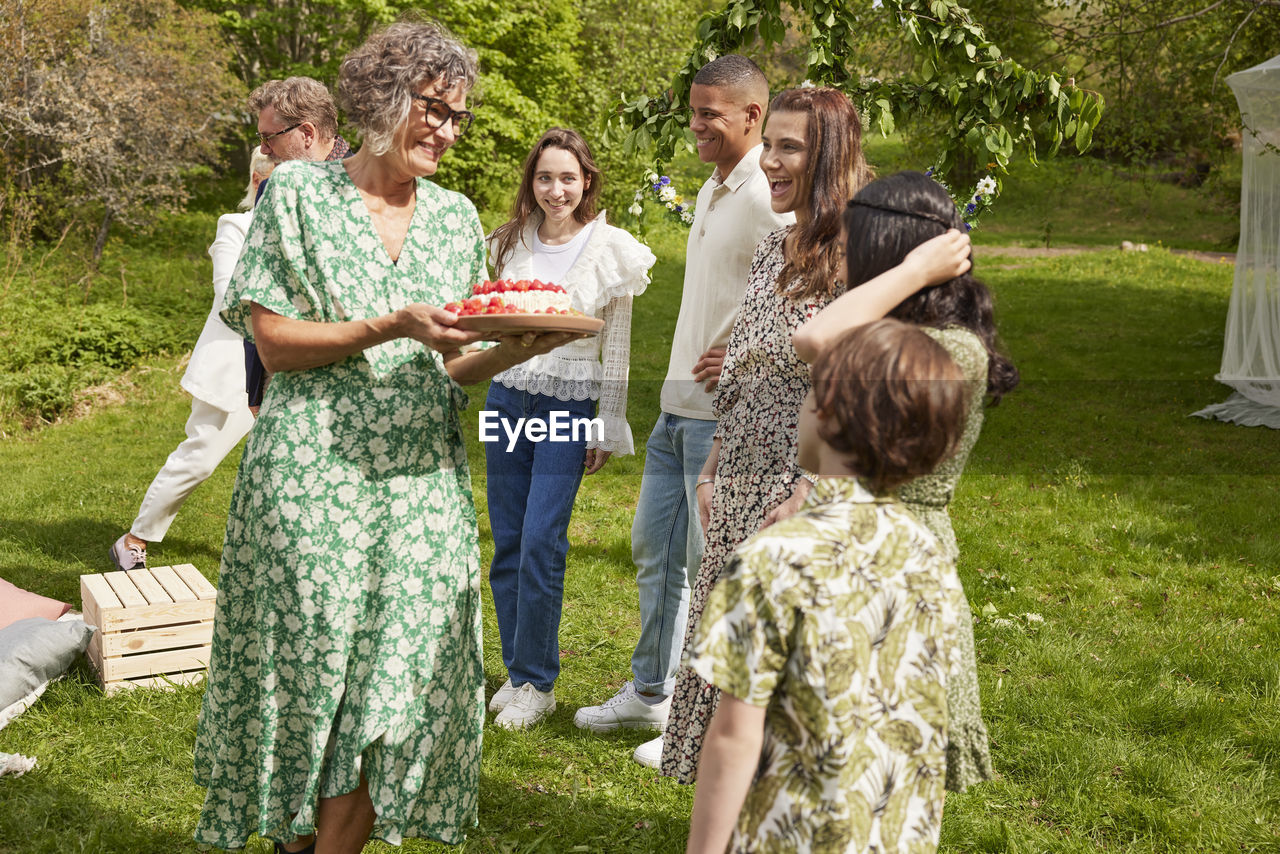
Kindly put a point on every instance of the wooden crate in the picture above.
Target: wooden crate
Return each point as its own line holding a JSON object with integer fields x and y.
{"x": 154, "y": 625}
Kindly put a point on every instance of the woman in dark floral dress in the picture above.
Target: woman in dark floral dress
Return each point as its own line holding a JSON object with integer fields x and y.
{"x": 813, "y": 159}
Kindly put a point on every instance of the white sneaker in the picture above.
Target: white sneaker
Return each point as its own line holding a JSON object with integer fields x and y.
{"x": 649, "y": 754}
{"x": 526, "y": 707}
{"x": 501, "y": 697}
{"x": 127, "y": 555}
{"x": 625, "y": 709}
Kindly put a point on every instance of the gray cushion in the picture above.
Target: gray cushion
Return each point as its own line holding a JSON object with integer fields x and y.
{"x": 35, "y": 650}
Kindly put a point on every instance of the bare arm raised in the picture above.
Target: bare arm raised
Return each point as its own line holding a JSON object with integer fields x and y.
{"x": 935, "y": 261}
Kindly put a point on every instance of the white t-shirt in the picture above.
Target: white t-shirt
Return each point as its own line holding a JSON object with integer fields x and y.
{"x": 552, "y": 263}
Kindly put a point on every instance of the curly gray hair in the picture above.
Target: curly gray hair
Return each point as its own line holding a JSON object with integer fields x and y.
{"x": 376, "y": 79}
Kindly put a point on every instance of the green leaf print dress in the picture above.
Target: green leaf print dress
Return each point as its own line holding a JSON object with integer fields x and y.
{"x": 347, "y": 634}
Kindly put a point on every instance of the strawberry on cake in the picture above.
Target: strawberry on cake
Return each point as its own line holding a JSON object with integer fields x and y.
{"x": 506, "y": 296}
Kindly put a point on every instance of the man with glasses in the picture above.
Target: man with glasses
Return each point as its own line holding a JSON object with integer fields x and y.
{"x": 297, "y": 120}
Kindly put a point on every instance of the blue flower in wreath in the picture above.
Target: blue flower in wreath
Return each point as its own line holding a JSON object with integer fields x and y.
{"x": 665, "y": 190}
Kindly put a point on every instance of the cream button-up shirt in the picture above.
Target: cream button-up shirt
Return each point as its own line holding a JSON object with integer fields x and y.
{"x": 731, "y": 216}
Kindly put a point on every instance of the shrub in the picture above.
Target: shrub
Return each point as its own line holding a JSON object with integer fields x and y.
{"x": 107, "y": 335}
{"x": 43, "y": 391}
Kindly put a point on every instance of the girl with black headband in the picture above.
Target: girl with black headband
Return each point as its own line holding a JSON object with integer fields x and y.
{"x": 892, "y": 226}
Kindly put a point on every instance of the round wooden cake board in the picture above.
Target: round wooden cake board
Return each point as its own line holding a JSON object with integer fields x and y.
{"x": 514, "y": 324}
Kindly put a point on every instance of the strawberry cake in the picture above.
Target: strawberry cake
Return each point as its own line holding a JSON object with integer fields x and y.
{"x": 506, "y": 296}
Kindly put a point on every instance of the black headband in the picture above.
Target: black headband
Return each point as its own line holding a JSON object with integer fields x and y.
{"x": 917, "y": 214}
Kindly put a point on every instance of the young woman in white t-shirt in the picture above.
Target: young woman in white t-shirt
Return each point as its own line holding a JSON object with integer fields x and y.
{"x": 555, "y": 235}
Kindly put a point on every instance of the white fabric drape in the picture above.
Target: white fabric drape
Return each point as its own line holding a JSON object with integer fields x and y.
{"x": 1251, "y": 351}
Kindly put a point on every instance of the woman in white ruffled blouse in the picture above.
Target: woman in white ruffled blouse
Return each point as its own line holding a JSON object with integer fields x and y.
{"x": 554, "y": 235}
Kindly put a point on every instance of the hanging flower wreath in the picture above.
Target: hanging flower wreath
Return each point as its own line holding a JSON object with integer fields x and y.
{"x": 662, "y": 189}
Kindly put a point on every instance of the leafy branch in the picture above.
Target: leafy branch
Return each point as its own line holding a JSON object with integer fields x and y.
{"x": 990, "y": 103}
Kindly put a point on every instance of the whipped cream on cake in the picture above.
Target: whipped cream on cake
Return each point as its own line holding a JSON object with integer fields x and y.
{"x": 525, "y": 294}
{"x": 508, "y": 296}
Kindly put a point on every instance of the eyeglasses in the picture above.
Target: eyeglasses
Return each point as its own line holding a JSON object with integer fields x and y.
{"x": 265, "y": 138}
{"x": 438, "y": 112}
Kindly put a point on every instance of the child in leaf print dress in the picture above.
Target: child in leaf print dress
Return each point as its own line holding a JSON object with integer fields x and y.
{"x": 832, "y": 633}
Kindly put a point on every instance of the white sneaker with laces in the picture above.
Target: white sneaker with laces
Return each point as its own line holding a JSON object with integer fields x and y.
{"x": 625, "y": 709}
{"x": 126, "y": 555}
{"x": 649, "y": 754}
{"x": 501, "y": 697}
{"x": 526, "y": 707}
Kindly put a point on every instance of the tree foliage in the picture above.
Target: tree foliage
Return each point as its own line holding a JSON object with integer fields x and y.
{"x": 526, "y": 50}
{"x": 1161, "y": 64}
{"x": 286, "y": 38}
{"x": 988, "y": 103}
{"x": 110, "y": 103}
{"x": 543, "y": 63}
{"x": 528, "y": 69}
{"x": 630, "y": 46}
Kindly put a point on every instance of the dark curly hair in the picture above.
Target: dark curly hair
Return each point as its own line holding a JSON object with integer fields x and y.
{"x": 887, "y": 219}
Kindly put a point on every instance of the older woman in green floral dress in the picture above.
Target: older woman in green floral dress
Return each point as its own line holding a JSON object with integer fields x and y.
{"x": 345, "y": 686}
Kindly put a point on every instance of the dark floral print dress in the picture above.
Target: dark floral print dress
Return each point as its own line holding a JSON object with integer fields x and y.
{"x": 757, "y": 404}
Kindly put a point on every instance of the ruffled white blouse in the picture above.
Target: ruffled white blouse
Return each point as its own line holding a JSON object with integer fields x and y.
{"x": 612, "y": 269}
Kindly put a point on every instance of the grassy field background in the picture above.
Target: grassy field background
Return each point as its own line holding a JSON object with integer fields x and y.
{"x": 1120, "y": 556}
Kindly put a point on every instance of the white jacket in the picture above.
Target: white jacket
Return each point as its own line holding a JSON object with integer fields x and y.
{"x": 215, "y": 373}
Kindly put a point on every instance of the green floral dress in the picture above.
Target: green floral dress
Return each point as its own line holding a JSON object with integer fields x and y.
{"x": 347, "y": 633}
{"x": 969, "y": 750}
{"x": 841, "y": 623}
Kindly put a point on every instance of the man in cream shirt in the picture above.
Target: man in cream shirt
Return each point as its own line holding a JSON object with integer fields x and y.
{"x": 728, "y": 101}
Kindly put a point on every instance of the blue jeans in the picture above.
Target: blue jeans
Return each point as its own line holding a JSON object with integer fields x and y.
{"x": 666, "y": 545}
{"x": 531, "y": 489}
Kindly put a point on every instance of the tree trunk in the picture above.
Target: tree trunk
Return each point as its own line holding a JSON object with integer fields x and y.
{"x": 965, "y": 173}
{"x": 101, "y": 242}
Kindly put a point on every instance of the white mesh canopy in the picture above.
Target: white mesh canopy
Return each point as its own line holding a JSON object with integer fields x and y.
{"x": 1251, "y": 352}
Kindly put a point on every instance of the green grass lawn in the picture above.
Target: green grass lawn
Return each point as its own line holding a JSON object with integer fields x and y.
{"x": 1121, "y": 557}
{"x": 1080, "y": 201}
